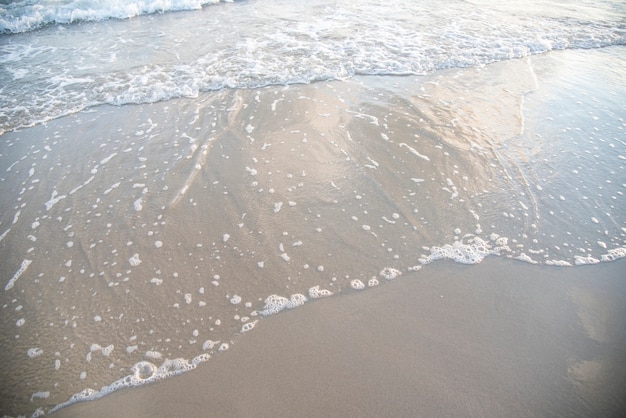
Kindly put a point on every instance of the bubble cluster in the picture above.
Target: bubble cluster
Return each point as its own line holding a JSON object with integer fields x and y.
{"x": 357, "y": 284}
{"x": 473, "y": 252}
{"x": 315, "y": 292}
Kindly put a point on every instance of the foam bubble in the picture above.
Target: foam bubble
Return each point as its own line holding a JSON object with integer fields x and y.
{"x": 274, "y": 304}
{"x": 34, "y": 352}
{"x": 583, "y": 260}
{"x": 138, "y": 204}
{"x": 143, "y": 370}
{"x": 373, "y": 282}
{"x": 526, "y": 258}
{"x": 297, "y": 299}
{"x": 134, "y": 260}
{"x": 158, "y": 244}
{"x": 471, "y": 253}
{"x": 357, "y": 284}
{"x": 153, "y": 354}
{"x": 208, "y": 345}
{"x": 39, "y": 395}
{"x": 17, "y": 274}
{"x": 390, "y": 273}
{"x": 248, "y": 326}
{"x": 20, "y": 322}
{"x": 235, "y": 300}
{"x": 558, "y": 263}
{"x": 200, "y": 358}
{"x": 106, "y": 351}
{"x": 614, "y": 254}
{"x": 315, "y": 292}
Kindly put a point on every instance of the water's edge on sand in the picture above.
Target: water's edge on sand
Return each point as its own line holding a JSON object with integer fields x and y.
{"x": 502, "y": 338}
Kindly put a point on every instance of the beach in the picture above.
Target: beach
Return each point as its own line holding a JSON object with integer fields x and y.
{"x": 501, "y": 338}
{"x": 312, "y": 214}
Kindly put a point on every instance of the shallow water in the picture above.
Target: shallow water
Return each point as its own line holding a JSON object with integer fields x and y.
{"x": 144, "y": 232}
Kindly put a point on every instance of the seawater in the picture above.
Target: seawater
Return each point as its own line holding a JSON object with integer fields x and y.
{"x": 170, "y": 178}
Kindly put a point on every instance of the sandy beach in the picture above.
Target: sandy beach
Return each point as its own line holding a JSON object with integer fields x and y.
{"x": 501, "y": 338}
{"x": 143, "y": 240}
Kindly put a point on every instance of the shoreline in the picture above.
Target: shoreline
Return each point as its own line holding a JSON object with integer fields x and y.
{"x": 160, "y": 238}
{"x": 498, "y": 338}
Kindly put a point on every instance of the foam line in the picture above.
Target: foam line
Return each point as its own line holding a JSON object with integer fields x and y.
{"x": 414, "y": 151}
{"x": 17, "y": 274}
{"x": 4, "y": 234}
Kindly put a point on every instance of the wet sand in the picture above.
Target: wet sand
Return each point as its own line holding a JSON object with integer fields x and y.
{"x": 502, "y": 338}
{"x": 162, "y": 237}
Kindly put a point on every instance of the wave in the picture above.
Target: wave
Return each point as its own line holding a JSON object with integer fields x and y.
{"x": 28, "y": 15}
{"x": 55, "y": 73}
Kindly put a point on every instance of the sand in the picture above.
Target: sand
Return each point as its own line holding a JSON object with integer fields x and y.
{"x": 502, "y": 338}
{"x": 280, "y": 189}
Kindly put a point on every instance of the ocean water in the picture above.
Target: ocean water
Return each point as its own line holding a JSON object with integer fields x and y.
{"x": 173, "y": 171}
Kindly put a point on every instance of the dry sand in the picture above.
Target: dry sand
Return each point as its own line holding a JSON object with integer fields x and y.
{"x": 501, "y": 338}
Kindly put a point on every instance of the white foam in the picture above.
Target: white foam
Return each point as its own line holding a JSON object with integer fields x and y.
{"x": 16, "y": 217}
{"x": 297, "y": 299}
{"x": 357, "y": 284}
{"x": 138, "y": 204}
{"x": 614, "y": 254}
{"x": 106, "y": 351}
{"x": 34, "y": 352}
{"x": 414, "y": 151}
{"x": 583, "y": 260}
{"x": 558, "y": 263}
{"x": 235, "y": 300}
{"x": 54, "y": 200}
{"x": 524, "y": 257}
{"x": 39, "y": 395}
{"x": 153, "y": 354}
{"x": 134, "y": 260}
{"x": 4, "y": 234}
{"x": 107, "y": 159}
{"x": 373, "y": 282}
{"x": 18, "y": 273}
{"x": 20, "y": 322}
{"x": 315, "y": 292}
{"x": 274, "y": 304}
{"x": 208, "y": 344}
{"x": 471, "y": 253}
{"x": 390, "y": 273}
{"x": 248, "y": 326}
